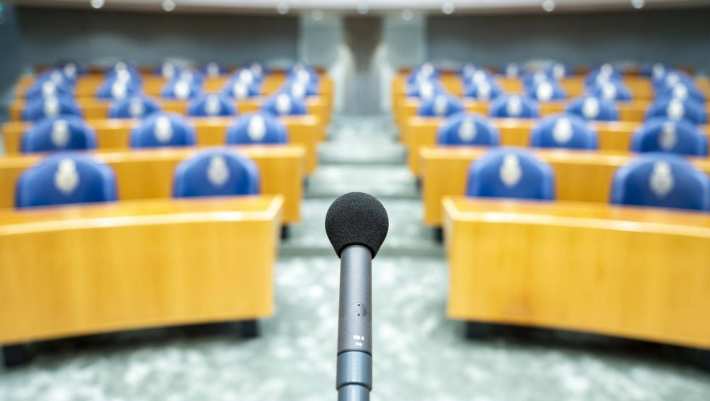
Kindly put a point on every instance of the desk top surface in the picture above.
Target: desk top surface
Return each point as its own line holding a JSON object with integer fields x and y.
{"x": 592, "y": 215}
{"x": 13, "y": 221}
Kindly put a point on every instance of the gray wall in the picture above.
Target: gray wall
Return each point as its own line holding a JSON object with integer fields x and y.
{"x": 10, "y": 63}
{"x": 49, "y": 35}
{"x": 676, "y": 37}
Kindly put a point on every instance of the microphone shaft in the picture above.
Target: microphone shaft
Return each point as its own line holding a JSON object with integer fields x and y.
{"x": 354, "y": 375}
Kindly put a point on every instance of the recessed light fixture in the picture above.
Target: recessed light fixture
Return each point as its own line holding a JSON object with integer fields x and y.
{"x": 282, "y": 8}
{"x": 97, "y": 3}
{"x": 448, "y": 7}
{"x": 363, "y": 8}
{"x": 407, "y": 14}
{"x": 548, "y": 6}
{"x": 638, "y": 4}
{"x": 168, "y": 5}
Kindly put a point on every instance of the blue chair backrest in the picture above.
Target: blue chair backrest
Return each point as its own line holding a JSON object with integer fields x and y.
{"x": 592, "y": 108}
{"x": 661, "y": 180}
{"x": 440, "y": 105}
{"x": 216, "y": 172}
{"x": 212, "y": 105}
{"x": 612, "y": 91}
{"x": 283, "y": 104}
{"x": 213, "y": 69}
{"x": 300, "y": 89}
{"x": 467, "y": 130}
{"x": 303, "y": 74}
{"x": 425, "y": 89}
{"x": 58, "y": 134}
{"x": 257, "y": 128}
{"x": 483, "y": 90}
{"x": 48, "y": 88}
{"x": 169, "y": 70}
{"x": 133, "y": 107}
{"x": 50, "y": 107}
{"x": 563, "y": 131}
{"x": 162, "y": 129}
{"x": 426, "y": 71}
{"x": 510, "y": 173}
{"x": 65, "y": 178}
{"x": 116, "y": 89}
{"x": 478, "y": 76}
{"x": 240, "y": 90}
{"x": 671, "y": 79}
{"x": 546, "y": 91}
{"x": 123, "y": 70}
{"x": 514, "y": 106}
{"x": 677, "y": 109}
{"x": 683, "y": 92}
{"x": 182, "y": 89}
{"x": 604, "y": 73}
{"x": 668, "y": 136}
{"x": 513, "y": 70}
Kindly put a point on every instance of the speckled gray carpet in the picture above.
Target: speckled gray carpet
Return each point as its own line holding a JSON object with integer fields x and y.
{"x": 419, "y": 355}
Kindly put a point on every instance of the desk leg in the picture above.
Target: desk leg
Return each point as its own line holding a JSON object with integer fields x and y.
{"x": 16, "y": 355}
{"x": 285, "y": 232}
{"x": 438, "y": 233}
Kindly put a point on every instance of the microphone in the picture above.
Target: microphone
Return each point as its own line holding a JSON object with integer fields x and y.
{"x": 356, "y": 224}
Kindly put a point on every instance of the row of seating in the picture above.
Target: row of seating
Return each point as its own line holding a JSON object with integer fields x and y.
{"x": 157, "y": 130}
{"x": 71, "y": 178}
{"x": 655, "y": 180}
{"x": 571, "y": 132}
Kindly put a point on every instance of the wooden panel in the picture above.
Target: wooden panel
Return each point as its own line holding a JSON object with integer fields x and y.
{"x": 89, "y": 269}
{"x": 629, "y": 272}
{"x": 148, "y": 174}
{"x": 422, "y": 131}
{"x": 579, "y": 176}
{"x": 305, "y": 131}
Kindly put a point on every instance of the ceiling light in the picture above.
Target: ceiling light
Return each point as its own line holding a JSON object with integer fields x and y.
{"x": 282, "y": 8}
{"x": 407, "y": 15}
{"x": 638, "y": 4}
{"x": 362, "y": 8}
{"x": 97, "y": 3}
{"x": 317, "y": 15}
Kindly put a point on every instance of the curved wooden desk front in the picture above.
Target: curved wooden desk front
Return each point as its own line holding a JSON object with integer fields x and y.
{"x": 97, "y": 109}
{"x": 629, "y": 272}
{"x": 97, "y": 268}
{"x": 579, "y": 176}
{"x": 115, "y": 134}
{"x": 421, "y": 132}
{"x": 148, "y": 174}
{"x": 88, "y": 84}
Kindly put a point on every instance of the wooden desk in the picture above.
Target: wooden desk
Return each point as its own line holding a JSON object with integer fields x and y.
{"x": 97, "y": 109}
{"x": 629, "y": 272}
{"x": 421, "y": 132}
{"x": 88, "y": 84}
{"x": 148, "y": 174}
{"x": 78, "y": 270}
{"x": 115, "y": 134}
{"x": 580, "y": 176}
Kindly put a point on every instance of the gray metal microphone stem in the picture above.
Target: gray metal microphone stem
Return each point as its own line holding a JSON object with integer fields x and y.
{"x": 354, "y": 374}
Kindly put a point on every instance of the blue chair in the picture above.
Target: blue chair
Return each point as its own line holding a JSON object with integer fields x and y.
{"x": 239, "y": 90}
{"x": 169, "y": 70}
{"x": 467, "y": 130}
{"x": 676, "y": 109}
{"x": 123, "y": 70}
{"x": 425, "y": 89}
{"x": 557, "y": 71}
{"x": 514, "y": 106}
{"x": 441, "y": 105}
{"x": 162, "y": 129}
{"x": 467, "y": 70}
{"x": 682, "y": 92}
{"x": 133, "y": 107}
{"x": 48, "y": 88}
{"x": 282, "y": 104}
{"x": 257, "y": 128}
{"x": 483, "y": 90}
{"x": 212, "y": 106}
{"x": 613, "y": 91}
{"x": 216, "y": 172}
{"x": 510, "y": 173}
{"x": 604, "y": 73}
{"x": 65, "y": 178}
{"x": 546, "y": 91}
{"x": 671, "y": 79}
{"x": 50, "y": 107}
{"x": 532, "y": 79}
{"x": 249, "y": 77}
{"x": 257, "y": 69}
{"x": 300, "y": 89}
{"x": 213, "y": 69}
{"x": 654, "y": 71}
{"x": 426, "y": 71}
{"x": 477, "y": 77}
{"x": 304, "y": 74}
{"x": 563, "y": 131}
{"x": 513, "y": 70}
{"x": 116, "y": 89}
{"x": 661, "y": 180}
{"x": 182, "y": 89}
{"x": 58, "y": 134}
{"x": 668, "y": 136}
{"x": 592, "y": 108}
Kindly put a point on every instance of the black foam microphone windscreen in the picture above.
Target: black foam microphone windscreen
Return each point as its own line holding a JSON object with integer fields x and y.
{"x": 356, "y": 218}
